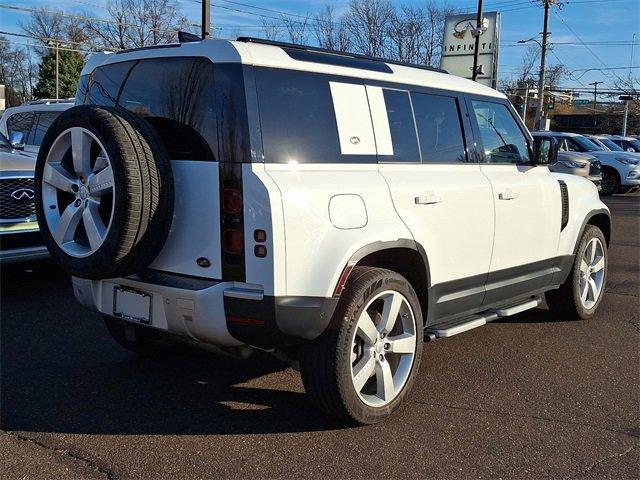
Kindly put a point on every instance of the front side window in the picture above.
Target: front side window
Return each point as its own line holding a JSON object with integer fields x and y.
{"x": 610, "y": 145}
{"x": 20, "y": 122}
{"x": 502, "y": 139}
{"x": 439, "y": 128}
{"x": 401, "y": 127}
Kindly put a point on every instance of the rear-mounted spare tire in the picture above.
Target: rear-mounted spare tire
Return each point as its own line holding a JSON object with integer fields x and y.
{"x": 104, "y": 192}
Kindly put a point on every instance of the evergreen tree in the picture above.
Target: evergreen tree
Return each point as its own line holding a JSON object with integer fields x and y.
{"x": 70, "y": 65}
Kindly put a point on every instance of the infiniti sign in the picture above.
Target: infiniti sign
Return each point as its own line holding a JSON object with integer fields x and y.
{"x": 23, "y": 194}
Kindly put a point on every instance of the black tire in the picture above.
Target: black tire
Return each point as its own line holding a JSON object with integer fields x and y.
{"x": 143, "y": 191}
{"x": 142, "y": 341}
{"x": 565, "y": 301}
{"x": 610, "y": 181}
{"x": 325, "y": 363}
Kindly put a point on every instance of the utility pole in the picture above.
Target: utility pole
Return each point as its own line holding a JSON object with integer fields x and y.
{"x": 478, "y": 32}
{"x": 56, "y": 44}
{"x": 206, "y": 19}
{"x": 543, "y": 64}
{"x": 595, "y": 100}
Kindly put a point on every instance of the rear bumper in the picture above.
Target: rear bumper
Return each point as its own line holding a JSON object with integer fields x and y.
{"x": 214, "y": 312}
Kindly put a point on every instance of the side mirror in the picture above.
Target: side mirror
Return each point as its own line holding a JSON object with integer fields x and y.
{"x": 630, "y": 149}
{"x": 545, "y": 150}
{"x": 16, "y": 139}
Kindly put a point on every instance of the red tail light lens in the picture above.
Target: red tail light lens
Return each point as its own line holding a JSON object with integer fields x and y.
{"x": 233, "y": 241}
{"x": 231, "y": 201}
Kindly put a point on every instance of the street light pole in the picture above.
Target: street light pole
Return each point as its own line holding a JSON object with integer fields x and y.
{"x": 476, "y": 48}
{"x": 543, "y": 64}
{"x": 625, "y": 99}
{"x": 57, "y": 70}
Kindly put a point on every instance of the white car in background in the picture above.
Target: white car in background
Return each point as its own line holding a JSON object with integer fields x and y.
{"x": 628, "y": 144}
{"x": 25, "y": 125}
{"x": 619, "y": 169}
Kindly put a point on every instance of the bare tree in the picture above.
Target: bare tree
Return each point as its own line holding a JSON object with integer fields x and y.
{"x": 296, "y": 29}
{"x": 272, "y": 28}
{"x": 367, "y": 21}
{"x": 330, "y": 31}
{"x": 15, "y": 72}
{"x": 136, "y": 23}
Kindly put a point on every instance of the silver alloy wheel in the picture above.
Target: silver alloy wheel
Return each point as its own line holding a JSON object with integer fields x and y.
{"x": 383, "y": 348}
{"x": 78, "y": 192}
{"x": 592, "y": 268}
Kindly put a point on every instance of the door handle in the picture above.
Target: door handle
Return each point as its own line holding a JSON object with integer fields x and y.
{"x": 508, "y": 194}
{"x": 428, "y": 198}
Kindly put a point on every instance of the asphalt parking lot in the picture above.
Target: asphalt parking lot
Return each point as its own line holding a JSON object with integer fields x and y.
{"x": 527, "y": 397}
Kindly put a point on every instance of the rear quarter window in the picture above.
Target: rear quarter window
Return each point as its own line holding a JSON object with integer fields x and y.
{"x": 298, "y": 118}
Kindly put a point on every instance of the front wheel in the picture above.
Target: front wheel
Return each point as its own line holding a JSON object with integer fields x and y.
{"x": 610, "y": 182}
{"x": 365, "y": 364}
{"x": 581, "y": 293}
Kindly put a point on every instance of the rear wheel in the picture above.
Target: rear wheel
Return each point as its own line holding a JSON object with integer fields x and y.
{"x": 365, "y": 364}
{"x": 610, "y": 181}
{"x": 580, "y": 295}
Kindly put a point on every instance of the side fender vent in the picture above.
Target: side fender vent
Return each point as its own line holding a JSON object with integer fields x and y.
{"x": 564, "y": 194}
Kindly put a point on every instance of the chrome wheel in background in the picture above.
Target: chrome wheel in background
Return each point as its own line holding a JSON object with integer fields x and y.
{"x": 592, "y": 269}
{"x": 78, "y": 192}
{"x": 383, "y": 348}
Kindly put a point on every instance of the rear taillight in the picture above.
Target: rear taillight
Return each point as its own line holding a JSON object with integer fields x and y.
{"x": 231, "y": 201}
{"x": 233, "y": 242}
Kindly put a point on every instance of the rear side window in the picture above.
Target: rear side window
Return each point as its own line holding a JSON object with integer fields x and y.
{"x": 401, "y": 127}
{"x": 20, "y": 122}
{"x": 176, "y": 95}
{"x": 298, "y": 118}
{"x": 41, "y": 125}
{"x": 439, "y": 128}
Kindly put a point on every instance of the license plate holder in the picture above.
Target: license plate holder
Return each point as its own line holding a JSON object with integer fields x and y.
{"x": 131, "y": 304}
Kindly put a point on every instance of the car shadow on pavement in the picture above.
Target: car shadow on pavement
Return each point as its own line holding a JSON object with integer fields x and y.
{"x": 61, "y": 372}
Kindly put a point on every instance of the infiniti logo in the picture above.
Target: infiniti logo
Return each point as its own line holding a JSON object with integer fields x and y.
{"x": 23, "y": 194}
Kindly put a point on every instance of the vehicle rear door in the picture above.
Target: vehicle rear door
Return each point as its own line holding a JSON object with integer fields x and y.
{"x": 527, "y": 202}
{"x": 437, "y": 189}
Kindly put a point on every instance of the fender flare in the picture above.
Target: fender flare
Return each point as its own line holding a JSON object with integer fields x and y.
{"x": 585, "y": 222}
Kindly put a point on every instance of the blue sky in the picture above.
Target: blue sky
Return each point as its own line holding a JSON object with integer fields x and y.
{"x": 578, "y": 21}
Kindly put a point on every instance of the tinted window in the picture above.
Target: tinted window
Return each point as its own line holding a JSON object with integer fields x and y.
{"x": 402, "y": 127}
{"x": 502, "y": 139}
{"x": 439, "y": 128}
{"x": 105, "y": 83}
{"x": 20, "y": 122}
{"x": 41, "y": 125}
{"x": 176, "y": 95}
{"x": 297, "y": 117}
{"x": 81, "y": 90}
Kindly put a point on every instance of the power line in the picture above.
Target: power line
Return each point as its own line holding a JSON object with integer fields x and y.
{"x": 47, "y": 39}
{"x": 82, "y": 17}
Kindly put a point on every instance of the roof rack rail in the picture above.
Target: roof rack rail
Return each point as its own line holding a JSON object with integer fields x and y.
{"x": 48, "y": 101}
{"x": 337, "y": 52}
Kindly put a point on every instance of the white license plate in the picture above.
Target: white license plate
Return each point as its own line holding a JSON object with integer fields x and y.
{"x": 131, "y": 304}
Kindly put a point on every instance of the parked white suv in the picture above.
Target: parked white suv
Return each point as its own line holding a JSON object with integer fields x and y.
{"x": 330, "y": 208}
{"x": 620, "y": 170}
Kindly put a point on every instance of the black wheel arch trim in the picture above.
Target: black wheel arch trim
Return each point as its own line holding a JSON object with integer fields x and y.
{"x": 586, "y": 221}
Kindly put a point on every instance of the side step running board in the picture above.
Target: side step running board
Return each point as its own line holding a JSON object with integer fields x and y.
{"x": 459, "y": 325}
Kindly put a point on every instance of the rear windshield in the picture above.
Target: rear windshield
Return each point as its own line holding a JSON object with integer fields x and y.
{"x": 175, "y": 95}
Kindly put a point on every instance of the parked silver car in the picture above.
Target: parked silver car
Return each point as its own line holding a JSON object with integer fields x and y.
{"x": 19, "y": 233}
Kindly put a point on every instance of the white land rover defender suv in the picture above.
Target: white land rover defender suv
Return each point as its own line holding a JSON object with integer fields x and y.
{"x": 331, "y": 208}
